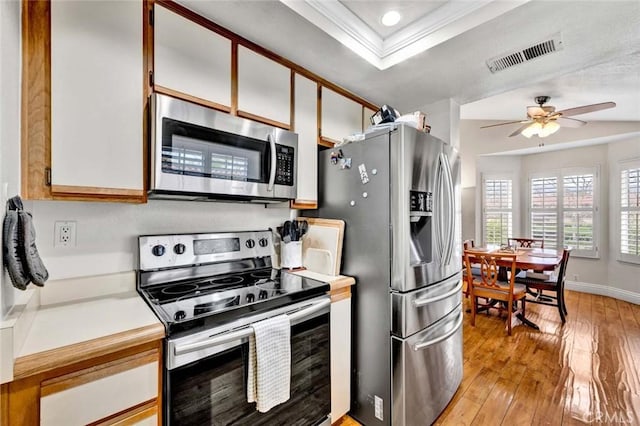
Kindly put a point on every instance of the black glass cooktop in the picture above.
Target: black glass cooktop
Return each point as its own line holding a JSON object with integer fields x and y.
{"x": 189, "y": 300}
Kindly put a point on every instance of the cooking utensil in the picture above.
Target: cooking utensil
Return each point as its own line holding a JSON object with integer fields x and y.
{"x": 303, "y": 227}
{"x": 287, "y": 231}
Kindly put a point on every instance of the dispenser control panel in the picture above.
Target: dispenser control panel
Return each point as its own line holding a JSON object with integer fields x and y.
{"x": 421, "y": 202}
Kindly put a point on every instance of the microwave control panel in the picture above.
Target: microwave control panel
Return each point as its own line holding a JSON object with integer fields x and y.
{"x": 284, "y": 165}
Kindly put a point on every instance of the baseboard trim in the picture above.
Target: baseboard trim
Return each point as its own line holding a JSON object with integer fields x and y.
{"x": 603, "y": 290}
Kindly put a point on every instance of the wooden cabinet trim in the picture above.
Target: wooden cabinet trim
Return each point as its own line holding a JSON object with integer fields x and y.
{"x": 36, "y": 100}
{"x": 176, "y": 94}
{"x": 329, "y": 143}
{"x": 80, "y": 377}
{"x": 42, "y": 362}
{"x": 260, "y": 119}
{"x": 303, "y": 205}
{"x": 234, "y": 77}
{"x": 93, "y": 190}
{"x": 340, "y": 294}
{"x": 130, "y": 416}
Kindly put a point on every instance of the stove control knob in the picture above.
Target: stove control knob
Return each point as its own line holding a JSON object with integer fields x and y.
{"x": 250, "y": 298}
{"x": 263, "y": 242}
{"x": 263, "y": 294}
{"x": 179, "y": 248}
{"x": 179, "y": 315}
{"x": 158, "y": 250}
{"x": 250, "y": 243}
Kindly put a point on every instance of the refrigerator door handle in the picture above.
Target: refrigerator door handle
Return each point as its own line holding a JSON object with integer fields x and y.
{"x": 427, "y": 300}
{"x": 451, "y": 210}
{"x": 424, "y": 345}
{"x": 441, "y": 225}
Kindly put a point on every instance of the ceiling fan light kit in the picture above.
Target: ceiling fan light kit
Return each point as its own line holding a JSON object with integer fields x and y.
{"x": 544, "y": 120}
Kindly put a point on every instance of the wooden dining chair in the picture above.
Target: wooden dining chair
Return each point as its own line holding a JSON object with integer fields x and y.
{"x": 555, "y": 285}
{"x": 466, "y": 245}
{"x": 487, "y": 285}
{"x": 526, "y": 242}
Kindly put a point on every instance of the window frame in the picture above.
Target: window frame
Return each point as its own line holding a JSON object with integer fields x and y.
{"x": 621, "y": 166}
{"x": 490, "y": 177}
{"x": 560, "y": 209}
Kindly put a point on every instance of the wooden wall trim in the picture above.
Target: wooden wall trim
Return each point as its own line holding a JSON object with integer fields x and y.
{"x": 53, "y": 359}
{"x": 35, "y": 130}
{"x": 329, "y": 143}
{"x": 192, "y": 16}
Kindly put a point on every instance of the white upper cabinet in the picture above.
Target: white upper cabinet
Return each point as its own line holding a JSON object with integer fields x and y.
{"x": 341, "y": 116}
{"x": 264, "y": 87}
{"x": 306, "y": 126}
{"x": 190, "y": 58}
{"x": 96, "y": 95}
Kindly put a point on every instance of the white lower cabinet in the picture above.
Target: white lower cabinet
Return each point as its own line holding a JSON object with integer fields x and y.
{"x": 340, "y": 358}
{"x": 96, "y": 393}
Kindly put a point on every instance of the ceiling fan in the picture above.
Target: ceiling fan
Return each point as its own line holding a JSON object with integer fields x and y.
{"x": 543, "y": 120}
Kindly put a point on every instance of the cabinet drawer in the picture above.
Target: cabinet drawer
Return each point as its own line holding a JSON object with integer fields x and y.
{"x": 94, "y": 393}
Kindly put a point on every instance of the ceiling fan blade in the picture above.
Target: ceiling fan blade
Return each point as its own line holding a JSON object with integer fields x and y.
{"x": 520, "y": 129}
{"x": 570, "y": 122}
{"x": 586, "y": 108}
{"x": 502, "y": 124}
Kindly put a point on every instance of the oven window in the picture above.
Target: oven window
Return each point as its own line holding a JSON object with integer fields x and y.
{"x": 197, "y": 151}
{"x": 213, "y": 391}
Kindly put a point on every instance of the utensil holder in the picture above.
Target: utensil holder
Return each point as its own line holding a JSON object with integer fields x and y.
{"x": 291, "y": 255}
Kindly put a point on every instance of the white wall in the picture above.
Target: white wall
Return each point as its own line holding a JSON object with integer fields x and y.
{"x": 9, "y": 121}
{"x": 106, "y": 233}
{"x": 444, "y": 118}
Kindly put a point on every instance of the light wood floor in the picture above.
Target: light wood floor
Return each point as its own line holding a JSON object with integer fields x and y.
{"x": 587, "y": 372}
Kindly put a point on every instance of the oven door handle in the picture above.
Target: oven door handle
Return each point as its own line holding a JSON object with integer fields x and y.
{"x": 295, "y": 317}
{"x": 272, "y": 172}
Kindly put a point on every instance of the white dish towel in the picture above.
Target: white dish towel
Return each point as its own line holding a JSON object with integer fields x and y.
{"x": 269, "y": 376}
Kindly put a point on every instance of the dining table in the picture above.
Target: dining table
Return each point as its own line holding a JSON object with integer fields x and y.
{"x": 536, "y": 259}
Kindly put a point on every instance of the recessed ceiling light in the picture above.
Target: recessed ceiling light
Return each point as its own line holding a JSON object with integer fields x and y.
{"x": 391, "y": 18}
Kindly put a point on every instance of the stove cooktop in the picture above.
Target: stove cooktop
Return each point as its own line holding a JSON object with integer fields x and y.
{"x": 189, "y": 300}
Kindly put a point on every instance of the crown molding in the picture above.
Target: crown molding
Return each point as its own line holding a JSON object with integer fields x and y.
{"x": 449, "y": 20}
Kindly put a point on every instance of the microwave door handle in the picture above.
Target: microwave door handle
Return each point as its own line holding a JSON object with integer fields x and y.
{"x": 272, "y": 171}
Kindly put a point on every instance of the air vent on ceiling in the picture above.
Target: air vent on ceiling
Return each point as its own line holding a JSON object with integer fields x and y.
{"x": 507, "y": 60}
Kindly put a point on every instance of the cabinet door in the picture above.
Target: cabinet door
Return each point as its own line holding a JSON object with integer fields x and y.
{"x": 340, "y": 358}
{"x": 264, "y": 89}
{"x": 96, "y": 98}
{"x": 98, "y": 392}
{"x": 191, "y": 59}
{"x": 306, "y": 126}
{"x": 341, "y": 116}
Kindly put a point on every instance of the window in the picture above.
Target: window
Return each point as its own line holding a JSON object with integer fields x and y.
{"x": 497, "y": 208}
{"x": 563, "y": 210}
{"x": 630, "y": 212}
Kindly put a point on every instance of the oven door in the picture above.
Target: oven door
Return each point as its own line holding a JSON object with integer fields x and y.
{"x": 206, "y": 379}
{"x": 201, "y": 152}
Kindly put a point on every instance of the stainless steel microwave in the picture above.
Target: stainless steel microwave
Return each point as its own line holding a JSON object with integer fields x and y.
{"x": 198, "y": 153}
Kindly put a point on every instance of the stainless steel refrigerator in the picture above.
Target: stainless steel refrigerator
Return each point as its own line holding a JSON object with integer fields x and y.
{"x": 398, "y": 191}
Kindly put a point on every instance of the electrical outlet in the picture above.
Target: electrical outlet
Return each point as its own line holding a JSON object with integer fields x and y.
{"x": 65, "y": 234}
